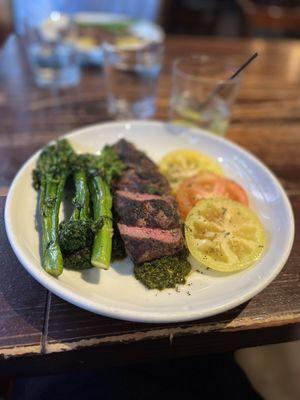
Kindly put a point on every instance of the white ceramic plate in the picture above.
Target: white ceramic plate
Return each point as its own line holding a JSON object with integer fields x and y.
{"x": 116, "y": 293}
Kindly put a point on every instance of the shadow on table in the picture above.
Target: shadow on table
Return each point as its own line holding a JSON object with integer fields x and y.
{"x": 207, "y": 377}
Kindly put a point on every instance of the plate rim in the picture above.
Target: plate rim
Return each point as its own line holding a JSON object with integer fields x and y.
{"x": 69, "y": 295}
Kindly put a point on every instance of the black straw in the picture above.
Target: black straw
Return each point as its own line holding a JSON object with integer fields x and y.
{"x": 244, "y": 65}
{"x": 220, "y": 86}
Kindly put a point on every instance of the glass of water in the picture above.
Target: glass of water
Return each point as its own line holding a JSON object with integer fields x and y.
{"x": 202, "y": 95}
{"x": 51, "y": 52}
{"x": 131, "y": 67}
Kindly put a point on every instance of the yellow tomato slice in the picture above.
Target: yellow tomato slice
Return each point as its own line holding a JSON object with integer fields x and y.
{"x": 224, "y": 235}
{"x": 182, "y": 164}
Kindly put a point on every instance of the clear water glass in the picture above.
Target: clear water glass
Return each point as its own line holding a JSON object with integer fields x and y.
{"x": 131, "y": 71}
{"x": 51, "y": 52}
{"x": 202, "y": 95}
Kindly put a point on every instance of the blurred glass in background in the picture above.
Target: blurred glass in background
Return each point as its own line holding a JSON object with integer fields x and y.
{"x": 54, "y": 57}
{"x": 51, "y": 52}
{"x": 132, "y": 66}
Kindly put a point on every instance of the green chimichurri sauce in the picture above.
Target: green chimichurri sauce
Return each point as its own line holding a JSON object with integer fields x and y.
{"x": 166, "y": 272}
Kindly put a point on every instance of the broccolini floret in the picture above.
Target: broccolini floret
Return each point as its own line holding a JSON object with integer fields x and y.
{"x": 76, "y": 239}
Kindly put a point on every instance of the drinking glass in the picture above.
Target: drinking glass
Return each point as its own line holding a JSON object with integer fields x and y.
{"x": 131, "y": 67}
{"x": 202, "y": 95}
{"x": 51, "y": 52}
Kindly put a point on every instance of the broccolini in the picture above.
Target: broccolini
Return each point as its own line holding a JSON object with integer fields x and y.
{"x": 53, "y": 167}
{"x": 76, "y": 235}
{"x": 102, "y": 170}
{"x": 86, "y": 239}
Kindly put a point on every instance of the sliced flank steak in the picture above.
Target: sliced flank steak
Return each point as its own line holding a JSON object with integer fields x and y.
{"x": 146, "y": 244}
{"x": 146, "y": 210}
{"x": 147, "y": 213}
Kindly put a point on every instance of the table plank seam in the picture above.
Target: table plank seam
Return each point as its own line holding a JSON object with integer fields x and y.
{"x": 45, "y": 328}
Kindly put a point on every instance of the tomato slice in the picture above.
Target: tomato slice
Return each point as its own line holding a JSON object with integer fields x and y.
{"x": 207, "y": 185}
{"x": 235, "y": 192}
{"x": 185, "y": 163}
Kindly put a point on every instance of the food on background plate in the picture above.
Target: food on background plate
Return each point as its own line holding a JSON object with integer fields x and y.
{"x": 130, "y": 43}
{"x": 182, "y": 164}
{"x": 207, "y": 185}
{"x": 100, "y": 30}
{"x": 92, "y": 33}
{"x": 224, "y": 235}
{"x": 123, "y": 204}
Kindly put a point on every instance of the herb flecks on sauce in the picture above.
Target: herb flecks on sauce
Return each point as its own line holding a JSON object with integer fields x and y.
{"x": 166, "y": 272}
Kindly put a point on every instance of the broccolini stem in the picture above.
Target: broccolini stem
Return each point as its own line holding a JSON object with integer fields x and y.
{"x": 50, "y": 200}
{"x": 102, "y": 204}
{"x": 82, "y": 197}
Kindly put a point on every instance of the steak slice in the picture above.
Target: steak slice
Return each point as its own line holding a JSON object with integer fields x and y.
{"x": 147, "y": 214}
{"x": 144, "y": 244}
{"x": 146, "y": 210}
{"x": 142, "y": 174}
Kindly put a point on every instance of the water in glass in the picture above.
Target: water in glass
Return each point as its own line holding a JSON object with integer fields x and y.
{"x": 131, "y": 79}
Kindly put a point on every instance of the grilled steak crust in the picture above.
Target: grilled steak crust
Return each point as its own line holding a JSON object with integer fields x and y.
{"x": 153, "y": 212}
{"x": 142, "y": 174}
{"x": 147, "y": 213}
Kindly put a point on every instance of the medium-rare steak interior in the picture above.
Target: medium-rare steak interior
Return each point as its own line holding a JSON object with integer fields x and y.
{"x": 147, "y": 216}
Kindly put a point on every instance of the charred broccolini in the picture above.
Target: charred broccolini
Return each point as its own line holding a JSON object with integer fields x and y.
{"x": 76, "y": 235}
{"x": 102, "y": 170}
{"x": 53, "y": 167}
{"x": 86, "y": 239}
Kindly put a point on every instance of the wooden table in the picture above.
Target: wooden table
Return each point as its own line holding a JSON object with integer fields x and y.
{"x": 39, "y": 327}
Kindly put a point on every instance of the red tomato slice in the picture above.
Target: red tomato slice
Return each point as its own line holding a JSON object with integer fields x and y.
{"x": 207, "y": 185}
{"x": 236, "y": 192}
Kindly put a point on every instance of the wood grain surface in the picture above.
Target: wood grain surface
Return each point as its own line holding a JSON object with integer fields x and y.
{"x": 22, "y": 302}
{"x": 266, "y": 121}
